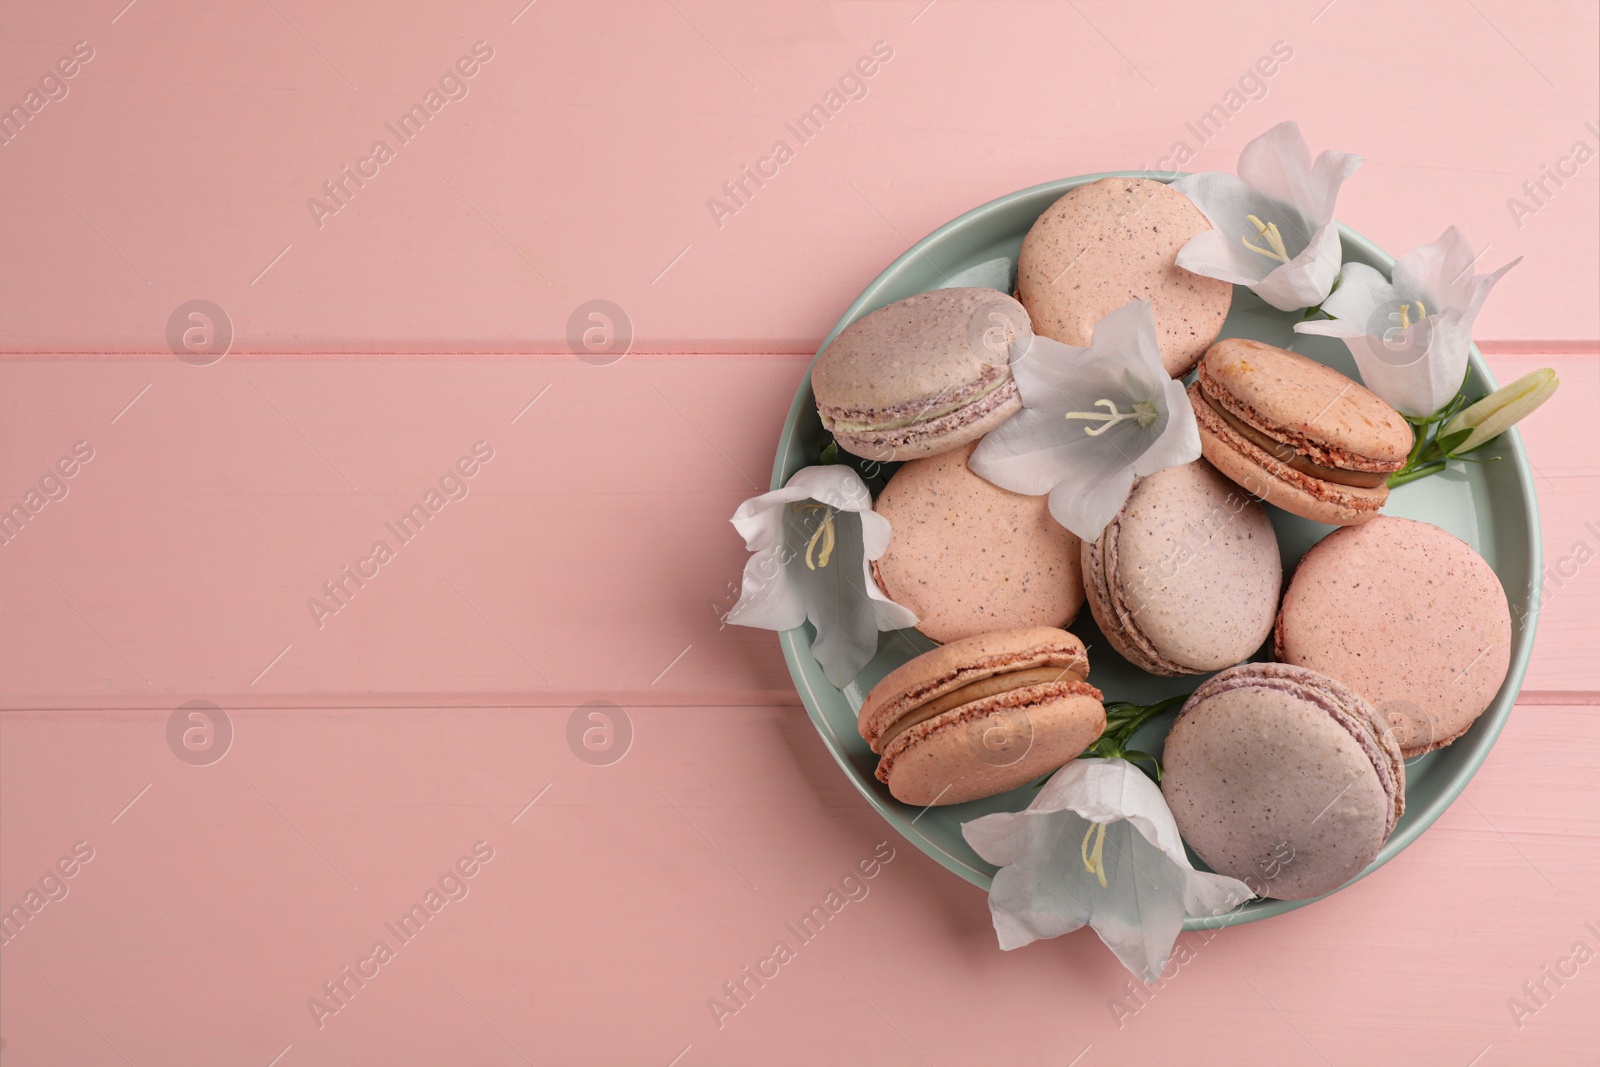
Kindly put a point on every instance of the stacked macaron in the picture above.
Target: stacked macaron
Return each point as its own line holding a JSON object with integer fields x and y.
{"x": 922, "y": 375}
{"x": 1296, "y": 433}
{"x": 982, "y": 715}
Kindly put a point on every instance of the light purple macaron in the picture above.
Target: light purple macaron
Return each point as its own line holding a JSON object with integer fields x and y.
{"x": 922, "y": 375}
{"x": 1283, "y": 778}
{"x": 1185, "y": 579}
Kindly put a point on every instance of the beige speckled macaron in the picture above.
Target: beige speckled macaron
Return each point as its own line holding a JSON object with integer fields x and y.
{"x": 1297, "y": 433}
{"x": 1113, "y": 241}
{"x": 1185, "y": 579}
{"x": 922, "y": 375}
{"x": 1409, "y": 616}
{"x": 982, "y": 716}
{"x": 969, "y": 557}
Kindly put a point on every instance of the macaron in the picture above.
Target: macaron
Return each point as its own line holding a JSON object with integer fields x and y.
{"x": 1283, "y": 778}
{"x": 969, "y": 557}
{"x": 1113, "y": 241}
{"x": 1297, "y": 433}
{"x": 982, "y": 716}
{"x": 1185, "y": 579}
{"x": 1410, "y": 617}
{"x": 922, "y": 375}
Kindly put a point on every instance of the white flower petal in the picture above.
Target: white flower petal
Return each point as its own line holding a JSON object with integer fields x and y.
{"x": 1278, "y": 165}
{"x": 1226, "y": 202}
{"x": 1092, "y": 493}
{"x": 767, "y": 600}
{"x": 835, "y": 484}
{"x": 1440, "y": 271}
{"x": 1179, "y": 442}
{"x": 1024, "y": 454}
{"x": 759, "y": 520}
{"x": 1128, "y": 336}
{"x": 1355, "y": 305}
{"x": 1306, "y": 279}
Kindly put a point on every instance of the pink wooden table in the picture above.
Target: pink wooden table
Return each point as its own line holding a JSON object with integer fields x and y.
{"x": 397, "y": 318}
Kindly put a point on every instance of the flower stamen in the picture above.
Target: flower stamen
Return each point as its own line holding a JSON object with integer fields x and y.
{"x": 1095, "y": 864}
{"x": 1267, "y": 231}
{"x": 1405, "y": 314}
{"x": 824, "y": 534}
{"x": 1143, "y": 412}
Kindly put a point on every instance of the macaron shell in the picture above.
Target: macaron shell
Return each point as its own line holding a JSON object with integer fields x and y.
{"x": 1186, "y": 578}
{"x": 949, "y": 667}
{"x": 1332, "y": 419}
{"x": 1112, "y": 241}
{"x": 1276, "y": 482}
{"x": 1409, "y": 616}
{"x": 969, "y": 557}
{"x": 992, "y": 746}
{"x": 1273, "y": 791}
{"x": 1126, "y": 640}
{"x": 882, "y": 385}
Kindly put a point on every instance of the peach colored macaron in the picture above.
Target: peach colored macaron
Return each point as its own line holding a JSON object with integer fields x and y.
{"x": 1185, "y": 579}
{"x": 1113, "y": 241}
{"x": 1297, "y": 433}
{"x": 1409, "y": 616}
{"x": 982, "y": 716}
{"x": 969, "y": 557}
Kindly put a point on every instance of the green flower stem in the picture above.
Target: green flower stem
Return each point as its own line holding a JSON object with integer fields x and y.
{"x": 1123, "y": 721}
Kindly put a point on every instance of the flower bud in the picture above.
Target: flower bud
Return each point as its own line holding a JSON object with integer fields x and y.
{"x": 1497, "y": 412}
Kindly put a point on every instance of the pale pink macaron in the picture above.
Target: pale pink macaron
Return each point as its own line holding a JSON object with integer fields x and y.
{"x": 982, "y": 716}
{"x": 969, "y": 557}
{"x": 1113, "y": 241}
{"x": 1185, "y": 579}
{"x": 1410, "y": 617}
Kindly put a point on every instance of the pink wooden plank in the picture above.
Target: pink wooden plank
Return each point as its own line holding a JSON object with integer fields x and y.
{"x": 582, "y": 158}
{"x": 185, "y": 557}
{"x": 616, "y": 907}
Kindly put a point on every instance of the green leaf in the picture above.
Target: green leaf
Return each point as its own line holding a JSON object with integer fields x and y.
{"x": 1449, "y": 442}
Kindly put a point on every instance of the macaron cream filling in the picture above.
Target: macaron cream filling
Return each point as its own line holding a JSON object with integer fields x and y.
{"x": 899, "y": 416}
{"x": 994, "y": 685}
{"x": 1287, "y": 454}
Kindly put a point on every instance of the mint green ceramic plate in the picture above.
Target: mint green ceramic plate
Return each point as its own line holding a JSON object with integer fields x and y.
{"x": 1490, "y": 506}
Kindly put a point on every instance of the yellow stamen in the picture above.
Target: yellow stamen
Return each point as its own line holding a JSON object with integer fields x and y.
{"x": 1405, "y": 314}
{"x": 1095, "y": 864}
{"x": 1144, "y": 413}
{"x": 1267, "y": 231}
{"x": 824, "y": 534}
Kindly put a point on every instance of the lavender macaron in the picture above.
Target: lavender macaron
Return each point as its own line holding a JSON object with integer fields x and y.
{"x": 922, "y": 375}
{"x": 1283, "y": 778}
{"x": 1185, "y": 579}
